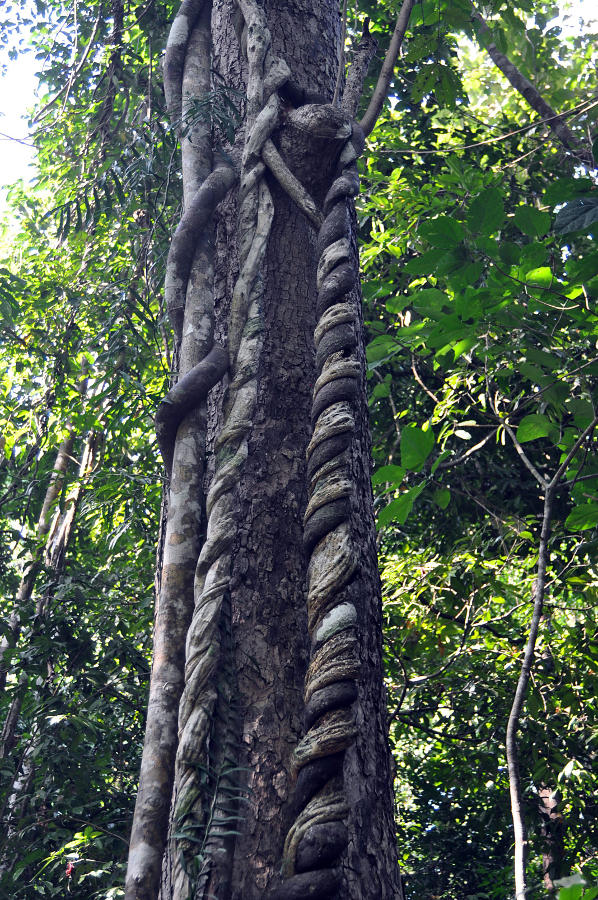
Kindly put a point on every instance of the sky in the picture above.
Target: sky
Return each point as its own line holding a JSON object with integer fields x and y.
{"x": 17, "y": 92}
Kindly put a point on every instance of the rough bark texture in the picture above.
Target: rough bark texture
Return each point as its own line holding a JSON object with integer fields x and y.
{"x": 553, "y": 833}
{"x": 267, "y": 589}
{"x": 269, "y": 569}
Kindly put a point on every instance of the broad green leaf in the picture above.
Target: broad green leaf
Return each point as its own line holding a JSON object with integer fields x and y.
{"x": 575, "y": 892}
{"x": 442, "y": 497}
{"x": 533, "y": 256}
{"x": 444, "y": 231}
{"x": 486, "y": 212}
{"x": 533, "y": 427}
{"x": 463, "y": 346}
{"x": 533, "y": 374}
{"x": 397, "y": 304}
{"x": 510, "y": 253}
{"x": 429, "y": 263}
{"x": 582, "y": 517}
{"x": 398, "y": 510}
{"x": 532, "y": 221}
{"x": 577, "y": 215}
{"x": 583, "y": 412}
{"x": 391, "y": 473}
{"x": 416, "y": 446}
{"x": 543, "y": 276}
{"x": 380, "y": 348}
{"x": 381, "y": 390}
{"x": 430, "y": 301}
{"x": 542, "y": 358}
{"x": 584, "y": 268}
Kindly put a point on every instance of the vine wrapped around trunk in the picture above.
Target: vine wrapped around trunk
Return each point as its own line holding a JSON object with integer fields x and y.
{"x": 319, "y": 835}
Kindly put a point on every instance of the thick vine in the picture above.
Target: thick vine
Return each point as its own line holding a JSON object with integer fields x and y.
{"x": 318, "y": 835}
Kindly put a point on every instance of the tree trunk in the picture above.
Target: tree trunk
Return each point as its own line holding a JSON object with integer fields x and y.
{"x": 553, "y": 835}
{"x": 256, "y": 698}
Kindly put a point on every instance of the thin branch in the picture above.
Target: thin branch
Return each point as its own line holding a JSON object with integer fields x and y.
{"x": 526, "y": 667}
{"x": 358, "y": 70}
{"x": 528, "y": 91}
{"x": 525, "y": 458}
{"x": 449, "y": 463}
{"x": 418, "y": 378}
{"x": 74, "y": 75}
{"x": 378, "y": 97}
{"x": 563, "y": 467}
{"x": 512, "y": 750}
{"x": 579, "y": 109}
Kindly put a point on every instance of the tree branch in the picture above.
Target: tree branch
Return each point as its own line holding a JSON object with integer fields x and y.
{"x": 360, "y": 64}
{"x": 525, "y": 458}
{"x": 378, "y": 97}
{"x": 74, "y": 74}
{"x": 528, "y": 91}
{"x": 526, "y": 667}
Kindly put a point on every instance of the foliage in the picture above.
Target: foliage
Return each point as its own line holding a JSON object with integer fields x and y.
{"x": 83, "y": 349}
{"x": 480, "y": 285}
{"x": 482, "y": 327}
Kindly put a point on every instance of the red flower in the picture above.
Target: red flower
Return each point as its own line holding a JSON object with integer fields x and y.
{"x": 69, "y": 869}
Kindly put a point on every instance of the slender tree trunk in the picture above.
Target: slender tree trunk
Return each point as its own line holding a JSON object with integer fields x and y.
{"x": 58, "y": 529}
{"x": 25, "y": 590}
{"x": 530, "y": 93}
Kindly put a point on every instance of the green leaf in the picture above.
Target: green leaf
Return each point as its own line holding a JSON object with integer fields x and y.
{"x": 444, "y": 231}
{"x": 397, "y": 304}
{"x": 430, "y": 301}
{"x": 381, "y": 390}
{"x": 381, "y": 348}
{"x": 486, "y": 212}
{"x": 532, "y": 221}
{"x": 577, "y": 215}
{"x": 543, "y": 276}
{"x": 428, "y": 263}
{"x": 463, "y": 346}
{"x": 442, "y": 497}
{"x": 398, "y": 510}
{"x": 533, "y": 427}
{"x": 583, "y": 412}
{"x": 391, "y": 473}
{"x": 582, "y": 517}
{"x": 510, "y": 253}
{"x": 575, "y": 892}
{"x": 416, "y": 446}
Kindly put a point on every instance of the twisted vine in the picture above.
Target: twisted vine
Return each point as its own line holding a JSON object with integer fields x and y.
{"x": 318, "y": 835}
{"x": 208, "y": 628}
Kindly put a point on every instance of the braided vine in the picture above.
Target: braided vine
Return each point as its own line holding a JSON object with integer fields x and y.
{"x": 318, "y": 835}
{"x": 202, "y": 747}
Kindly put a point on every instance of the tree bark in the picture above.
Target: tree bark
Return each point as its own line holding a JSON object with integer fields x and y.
{"x": 263, "y": 648}
{"x": 553, "y": 829}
